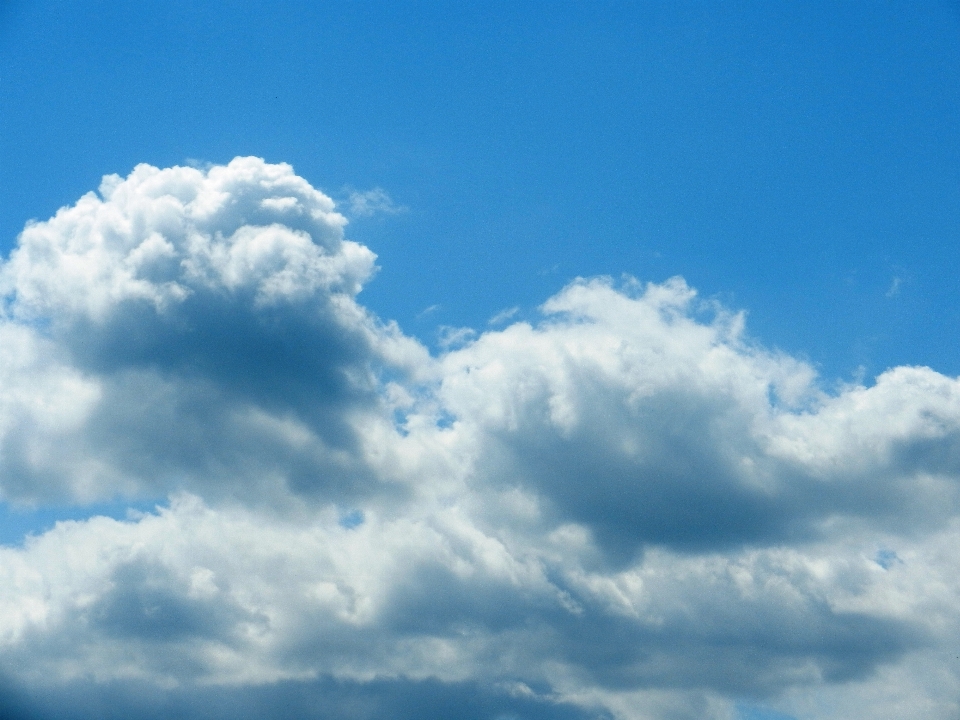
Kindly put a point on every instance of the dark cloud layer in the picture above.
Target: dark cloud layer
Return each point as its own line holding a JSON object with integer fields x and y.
{"x": 320, "y": 699}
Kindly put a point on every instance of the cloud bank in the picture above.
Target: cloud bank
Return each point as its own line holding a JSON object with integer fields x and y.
{"x": 628, "y": 509}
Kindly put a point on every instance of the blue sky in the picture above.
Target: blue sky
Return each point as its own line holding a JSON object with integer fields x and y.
{"x": 369, "y": 360}
{"x": 799, "y": 161}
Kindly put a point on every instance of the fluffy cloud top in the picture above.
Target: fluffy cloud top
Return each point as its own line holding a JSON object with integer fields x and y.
{"x": 628, "y": 509}
{"x": 205, "y": 328}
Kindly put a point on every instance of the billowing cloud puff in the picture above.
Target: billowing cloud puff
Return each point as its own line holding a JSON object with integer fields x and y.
{"x": 628, "y": 509}
{"x": 627, "y": 415}
{"x": 213, "y": 316}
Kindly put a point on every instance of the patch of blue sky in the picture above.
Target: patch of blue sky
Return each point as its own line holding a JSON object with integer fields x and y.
{"x": 886, "y": 558}
{"x": 798, "y": 161}
{"x": 351, "y": 519}
{"x": 16, "y": 523}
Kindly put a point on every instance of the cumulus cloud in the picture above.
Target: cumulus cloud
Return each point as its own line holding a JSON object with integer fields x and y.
{"x": 215, "y": 313}
{"x": 627, "y": 509}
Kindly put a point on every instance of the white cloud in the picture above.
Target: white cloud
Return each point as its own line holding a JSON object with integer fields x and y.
{"x": 503, "y": 316}
{"x": 213, "y": 312}
{"x": 621, "y": 510}
{"x": 449, "y": 337}
{"x": 894, "y": 288}
{"x": 372, "y": 202}
{"x": 427, "y": 311}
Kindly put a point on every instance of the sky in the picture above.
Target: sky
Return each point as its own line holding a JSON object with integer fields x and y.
{"x": 500, "y": 360}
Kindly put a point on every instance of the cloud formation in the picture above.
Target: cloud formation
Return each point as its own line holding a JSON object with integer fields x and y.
{"x": 372, "y": 202}
{"x": 627, "y": 509}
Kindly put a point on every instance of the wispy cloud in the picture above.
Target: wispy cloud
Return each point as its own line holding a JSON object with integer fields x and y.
{"x": 449, "y": 337}
{"x": 894, "y": 288}
{"x": 372, "y": 202}
{"x": 427, "y": 311}
{"x": 503, "y": 316}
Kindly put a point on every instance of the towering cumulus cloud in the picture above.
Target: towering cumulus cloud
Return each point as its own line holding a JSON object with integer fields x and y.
{"x": 625, "y": 510}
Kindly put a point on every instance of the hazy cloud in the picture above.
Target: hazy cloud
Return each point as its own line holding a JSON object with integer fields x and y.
{"x": 372, "y": 202}
{"x": 894, "y": 288}
{"x": 503, "y": 316}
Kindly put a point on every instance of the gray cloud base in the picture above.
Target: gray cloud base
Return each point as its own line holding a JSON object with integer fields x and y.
{"x": 626, "y": 510}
